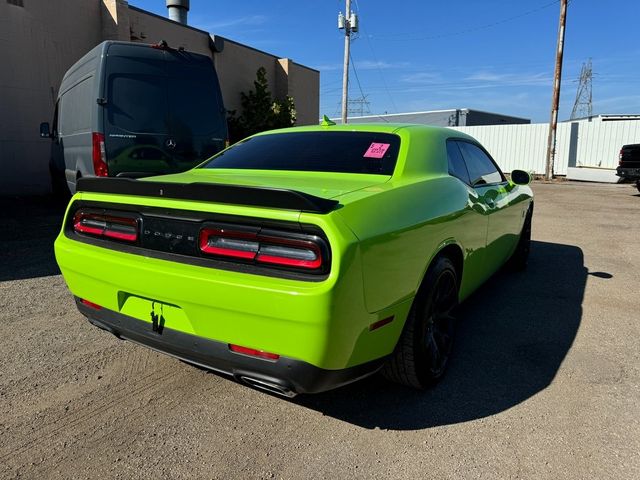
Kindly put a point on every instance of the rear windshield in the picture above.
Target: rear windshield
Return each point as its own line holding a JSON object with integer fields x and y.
{"x": 343, "y": 152}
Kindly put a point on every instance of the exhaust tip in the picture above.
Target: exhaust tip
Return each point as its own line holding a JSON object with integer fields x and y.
{"x": 267, "y": 386}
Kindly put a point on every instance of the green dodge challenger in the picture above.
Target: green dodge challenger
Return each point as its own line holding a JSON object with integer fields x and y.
{"x": 302, "y": 259}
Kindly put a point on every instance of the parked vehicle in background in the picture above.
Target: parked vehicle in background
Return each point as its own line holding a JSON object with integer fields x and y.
{"x": 629, "y": 164}
{"x": 300, "y": 259}
{"x": 132, "y": 109}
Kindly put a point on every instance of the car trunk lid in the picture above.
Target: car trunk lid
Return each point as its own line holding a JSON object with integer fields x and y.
{"x": 328, "y": 185}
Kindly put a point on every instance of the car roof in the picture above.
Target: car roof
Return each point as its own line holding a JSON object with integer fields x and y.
{"x": 362, "y": 127}
{"x": 402, "y": 129}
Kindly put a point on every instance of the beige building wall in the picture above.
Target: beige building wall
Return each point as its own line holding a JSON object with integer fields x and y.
{"x": 304, "y": 86}
{"x": 237, "y": 66}
{"x": 41, "y": 39}
{"x": 148, "y": 28}
{"x": 38, "y": 43}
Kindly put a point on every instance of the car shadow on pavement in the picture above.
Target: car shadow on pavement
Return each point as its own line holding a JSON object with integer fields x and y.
{"x": 28, "y": 227}
{"x": 512, "y": 337}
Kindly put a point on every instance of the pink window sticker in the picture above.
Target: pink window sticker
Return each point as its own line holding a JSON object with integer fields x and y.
{"x": 377, "y": 150}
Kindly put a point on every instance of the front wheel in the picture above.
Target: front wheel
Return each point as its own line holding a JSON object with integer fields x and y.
{"x": 520, "y": 256}
{"x": 423, "y": 350}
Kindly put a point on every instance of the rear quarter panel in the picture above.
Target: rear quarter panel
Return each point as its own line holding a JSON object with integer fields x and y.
{"x": 402, "y": 229}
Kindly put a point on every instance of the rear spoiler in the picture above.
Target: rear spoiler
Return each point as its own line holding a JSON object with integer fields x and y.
{"x": 210, "y": 192}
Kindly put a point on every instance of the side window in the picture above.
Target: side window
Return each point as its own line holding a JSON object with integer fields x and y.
{"x": 481, "y": 168}
{"x": 457, "y": 168}
{"x": 75, "y": 108}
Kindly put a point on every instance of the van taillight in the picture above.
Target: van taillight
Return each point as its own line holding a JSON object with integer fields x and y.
{"x": 99, "y": 155}
{"x": 300, "y": 252}
{"x": 106, "y": 226}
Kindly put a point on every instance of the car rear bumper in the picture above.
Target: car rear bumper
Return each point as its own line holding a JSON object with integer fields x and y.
{"x": 630, "y": 173}
{"x": 284, "y": 376}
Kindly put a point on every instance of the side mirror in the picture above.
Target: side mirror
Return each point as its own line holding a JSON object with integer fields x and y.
{"x": 44, "y": 130}
{"x": 520, "y": 177}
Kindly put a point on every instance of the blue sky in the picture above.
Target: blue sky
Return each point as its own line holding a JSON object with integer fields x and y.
{"x": 494, "y": 55}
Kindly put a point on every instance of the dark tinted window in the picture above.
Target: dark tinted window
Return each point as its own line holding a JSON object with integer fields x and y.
{"x": 481, "y": 168}
{"x": 194, "y": 104}
{"x": 344, "y": 152}
{"x": 137, "y": 103}
{"x": 457, "y": 168}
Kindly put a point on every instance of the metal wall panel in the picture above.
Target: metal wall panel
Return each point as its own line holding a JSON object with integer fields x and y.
{"x": 592, "y": 144}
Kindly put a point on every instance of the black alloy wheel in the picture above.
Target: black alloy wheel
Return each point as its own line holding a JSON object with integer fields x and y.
{"x": 422, "y": 353}
{"x": 439, "y": 324}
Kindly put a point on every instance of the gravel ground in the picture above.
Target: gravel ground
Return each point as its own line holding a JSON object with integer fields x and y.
{"x": 544, "y": 381}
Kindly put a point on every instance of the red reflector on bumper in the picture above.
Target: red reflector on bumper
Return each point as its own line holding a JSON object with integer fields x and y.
{"x": 91, "y": 304}
{"x": 253, "y": 352}
{"x": 380, "y": 323}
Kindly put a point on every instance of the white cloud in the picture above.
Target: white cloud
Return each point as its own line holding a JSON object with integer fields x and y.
{"x": 422, "y": 77}
{"x": 246, "y": 21}
{"x": 361, "y": 65}
{"x": 510, "y": 79}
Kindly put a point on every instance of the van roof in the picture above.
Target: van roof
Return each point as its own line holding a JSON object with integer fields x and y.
{"x": 90, "y": 60}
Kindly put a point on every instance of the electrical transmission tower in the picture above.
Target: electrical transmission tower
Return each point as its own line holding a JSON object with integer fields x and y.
{"x": 359, "y": 106}
{"x": 583, "y": 106}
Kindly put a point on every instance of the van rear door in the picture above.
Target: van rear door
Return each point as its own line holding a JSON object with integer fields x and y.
{"x": 136, "y": 117}
{"x": 163, "y": 111}
{"x": 197, "y": 118}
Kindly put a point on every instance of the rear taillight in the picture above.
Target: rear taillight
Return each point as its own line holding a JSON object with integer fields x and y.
{"x": 620, "y": 158}
{"x": 303, "y": 252}
{"x": 106, "y": 226}
{"x": 99, "y": 155}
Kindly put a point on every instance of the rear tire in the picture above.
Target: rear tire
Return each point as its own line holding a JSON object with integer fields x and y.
{"x": 423, "y": 350}
{"x": 638, "y": 185}
{"x": 520, "y": 257}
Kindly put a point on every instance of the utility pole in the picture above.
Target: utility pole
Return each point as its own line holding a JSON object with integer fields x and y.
{"x": 551, "y": 143}
{"x": 348, "y": 23}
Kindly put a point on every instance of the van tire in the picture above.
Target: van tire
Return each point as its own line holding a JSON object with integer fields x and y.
{"x": 59, "y": 186}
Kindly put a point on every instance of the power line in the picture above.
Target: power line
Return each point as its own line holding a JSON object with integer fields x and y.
{"x": 360, "y": 105}
{"x": 375, "y": 59}
{"x": 412, "y": 37}
{"x": 355, "y": 72}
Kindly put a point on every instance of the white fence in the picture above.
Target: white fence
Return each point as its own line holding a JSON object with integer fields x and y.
{"x": 592, "y": 144}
